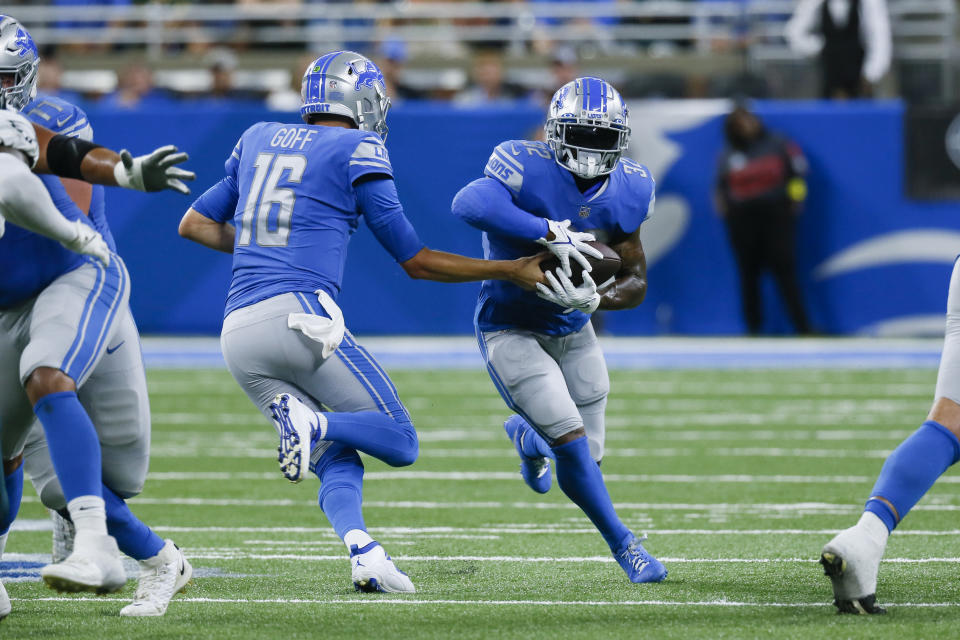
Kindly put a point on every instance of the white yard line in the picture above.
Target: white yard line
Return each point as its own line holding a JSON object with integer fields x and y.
{"x": 387, "y": 600}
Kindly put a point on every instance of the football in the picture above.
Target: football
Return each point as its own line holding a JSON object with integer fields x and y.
{"x": 604, "y": 269}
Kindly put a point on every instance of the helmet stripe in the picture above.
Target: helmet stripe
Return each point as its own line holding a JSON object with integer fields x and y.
{"x": 323, "y": 72}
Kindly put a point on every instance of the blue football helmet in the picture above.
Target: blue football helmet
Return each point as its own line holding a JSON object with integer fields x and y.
{"x": 19, "y": 62}
{"x": 588, "y": 127}
{"x": 348, "y": 84}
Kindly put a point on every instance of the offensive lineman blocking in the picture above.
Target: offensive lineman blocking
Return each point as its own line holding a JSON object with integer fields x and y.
{"x": 542, "y": 354}
{"x": 292, "y": 197}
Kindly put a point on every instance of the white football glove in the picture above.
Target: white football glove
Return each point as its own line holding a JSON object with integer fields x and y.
{"x": 89, "y": 242}
{"x": 154, "y": 171}
{"x": 567, "y": 244}
{"x": 562, "y": 292}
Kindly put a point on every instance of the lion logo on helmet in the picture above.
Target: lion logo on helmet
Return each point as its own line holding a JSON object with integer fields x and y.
{"x": 369, "y": 75}
{"x": 24, "y": 44}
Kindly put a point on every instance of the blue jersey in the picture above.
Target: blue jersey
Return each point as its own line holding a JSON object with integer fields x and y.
{"x": 612, "y": 210}
{"x": 29, "y": 262}
{"x": 294, "y": 195}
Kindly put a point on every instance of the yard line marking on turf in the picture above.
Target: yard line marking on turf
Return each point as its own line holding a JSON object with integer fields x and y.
{"x": 387, "y": 600}
{"x": 798, "y": 509}
{"x": 517, "y": 529}
{"x": 512, "y": 476}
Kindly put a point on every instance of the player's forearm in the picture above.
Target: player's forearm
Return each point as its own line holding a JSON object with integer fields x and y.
{"x": 95, "y": 164}
{"x": 486, "y": 205}
{"x": 625, "y": 293}
{"x": 441, "y": 266}
{"x": 202, "y": 230}
{"x": 25, "y": 202}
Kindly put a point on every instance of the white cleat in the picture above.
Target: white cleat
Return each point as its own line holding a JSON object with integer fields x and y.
{"x": 94, "y": 566}
{"x": 851, "y": 560}
{"x": 296, "y": 424}
{"x": 63, "y": 535}
{"x": 161, "y": 577}
{"x": 373, "y": 570}
{"x": 4, "y": 602}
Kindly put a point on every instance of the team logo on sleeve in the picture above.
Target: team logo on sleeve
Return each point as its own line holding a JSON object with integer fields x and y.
{"x": 367, "y": 76}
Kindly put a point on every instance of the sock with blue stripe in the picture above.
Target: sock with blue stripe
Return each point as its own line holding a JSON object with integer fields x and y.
{"x": 376, "y": 434}
{"x": 341, "y": 490}
{"x": 910, "y": 471}
{"x": 13, "y": 484}
{"x": 580, "y": 478}
{"x": 134, "y": 538}
{"x": 73, "y": 444}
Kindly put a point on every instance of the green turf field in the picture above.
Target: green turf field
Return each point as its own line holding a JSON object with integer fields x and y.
{"x": 739, "y": 477}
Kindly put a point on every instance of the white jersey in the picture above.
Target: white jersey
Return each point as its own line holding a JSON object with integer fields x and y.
{"x": 16, "y": 132}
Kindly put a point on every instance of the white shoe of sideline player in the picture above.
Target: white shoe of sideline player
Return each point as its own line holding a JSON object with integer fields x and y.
{"x": 94, "y": 566}
{"x": 373, "y": 570}
{"x": 161, "y": 577}
{"x": 63, "y": 534}
{"x": 851, "y": 560}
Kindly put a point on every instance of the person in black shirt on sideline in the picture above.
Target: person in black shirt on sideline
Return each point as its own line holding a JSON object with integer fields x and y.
{"x": 760, "y": 191}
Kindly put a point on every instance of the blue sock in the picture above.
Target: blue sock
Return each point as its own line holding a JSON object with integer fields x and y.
{"x": 910, "y": 471}
{"x": 13, "y": 484}
{"x": 376, "y": 434}
{"x": 73, "y": 444}
{"x": 134, "y": 538}
{"x": 531, "y": 442}
{"x": 341, "y": 490}
{"x": 579, "y": 477}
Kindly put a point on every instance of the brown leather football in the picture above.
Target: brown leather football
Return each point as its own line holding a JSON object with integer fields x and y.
{"x": 604, "y": 269}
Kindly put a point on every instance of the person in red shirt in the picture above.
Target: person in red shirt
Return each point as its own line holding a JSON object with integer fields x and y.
{"x": 760, "y": 191}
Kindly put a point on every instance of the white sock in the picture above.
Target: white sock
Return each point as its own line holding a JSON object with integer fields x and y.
{"x": 874, "y": 527}
{"x": 322, "y": 428}
{"x": 357, "y": 537}
{"x": 3, "y": 543}
{"x": 89, "y": 514}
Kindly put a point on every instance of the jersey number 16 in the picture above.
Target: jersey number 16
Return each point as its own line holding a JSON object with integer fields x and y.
{"x": 264, "y": 194}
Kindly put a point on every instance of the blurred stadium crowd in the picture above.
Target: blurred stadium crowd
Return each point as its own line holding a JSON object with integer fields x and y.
{"x": 130, "y": 53}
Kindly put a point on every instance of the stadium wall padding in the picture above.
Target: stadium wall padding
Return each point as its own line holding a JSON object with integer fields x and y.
{"x": 870, "y": 260}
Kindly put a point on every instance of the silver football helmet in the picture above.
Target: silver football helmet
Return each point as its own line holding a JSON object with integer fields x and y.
{"x": 19, "y": 62}
{"x": 587, "y": 127}
{"x": 345, "y": 83}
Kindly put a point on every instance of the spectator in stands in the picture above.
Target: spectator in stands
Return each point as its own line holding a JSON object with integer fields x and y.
{"x": 289, "y": 99}
{"x": 222, "y": 64}
{"x": 563, "y": 69}
{"x": 852, "y": 39}
{"x": 392, "y": 56}
{"x": 760, "y": 190}
{"x": 135, "y": 89}
{"x": 50, "y": 80}
{"x": 488, "y": 84}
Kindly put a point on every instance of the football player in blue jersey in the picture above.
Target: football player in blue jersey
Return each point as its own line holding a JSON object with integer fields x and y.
{"x": 291, "y": 198}
{"x": 541, "y": 350}
{"x": 65, "y": 322}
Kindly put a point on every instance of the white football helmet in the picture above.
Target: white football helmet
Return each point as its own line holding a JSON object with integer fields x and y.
{"x": 587, "y": 127}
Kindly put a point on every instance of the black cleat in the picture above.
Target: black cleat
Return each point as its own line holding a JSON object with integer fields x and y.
{"x": 833, "y": 567}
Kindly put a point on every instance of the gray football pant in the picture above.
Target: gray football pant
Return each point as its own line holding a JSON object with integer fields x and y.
{"x": 80, "y": 324}
{"x": 115, "y": 397}
{"x": 266, "y": 358}
{"x": 556, "y": 383}
{"x": 948, "y": 376}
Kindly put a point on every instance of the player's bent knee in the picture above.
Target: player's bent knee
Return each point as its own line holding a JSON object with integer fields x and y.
{"x": 11, "y": 465}
{"x": 570, "y": 436}
{"x": 44, "y": 381}
{"x": 946, "y": 412}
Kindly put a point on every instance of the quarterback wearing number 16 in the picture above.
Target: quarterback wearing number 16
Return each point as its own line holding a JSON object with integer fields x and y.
{"x": 291, "y": 198}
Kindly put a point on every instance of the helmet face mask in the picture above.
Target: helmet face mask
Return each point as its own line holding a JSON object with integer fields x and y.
{"x": 587, "y": 127}
{"x": 19, "y": 63}
{"x": 347, "y": 84}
